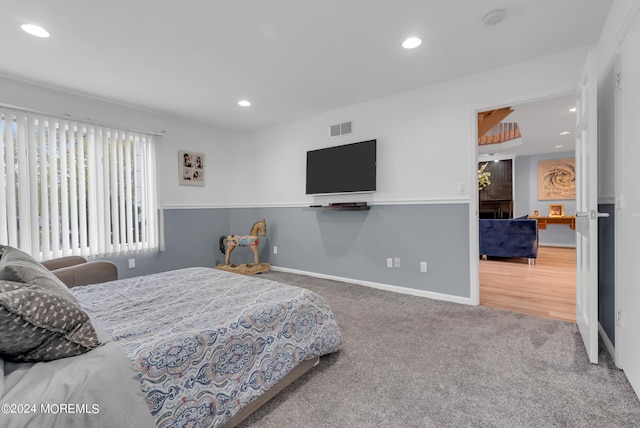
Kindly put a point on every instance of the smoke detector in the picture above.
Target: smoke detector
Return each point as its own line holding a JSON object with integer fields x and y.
{"x": 494, "y": 17}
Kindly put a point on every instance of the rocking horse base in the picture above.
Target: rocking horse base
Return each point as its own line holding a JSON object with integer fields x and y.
{"x": 245, "y": 268}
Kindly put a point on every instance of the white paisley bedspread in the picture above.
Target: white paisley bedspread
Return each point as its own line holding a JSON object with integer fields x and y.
{"x": 207, "y": 342}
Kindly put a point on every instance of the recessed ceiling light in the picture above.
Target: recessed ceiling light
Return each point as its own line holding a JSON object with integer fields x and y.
{"x": 494, "y": 17}
{"x": 411, "y": 43}
{"x": 34, "y": 30}
{"x": 565, "y": 133}
{"x": 244, "y": 103}
{"x": 572, "y": 109}
{"x": 559, "y": 146}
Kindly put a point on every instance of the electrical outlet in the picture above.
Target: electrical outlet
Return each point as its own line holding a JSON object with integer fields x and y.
{"x": 132, "y": 263}
{"x": 396, "y": 262}
{"x": 275, "y": 249}
{"x": 389, "y": 262}
{"x": 423, "y": 266}
{"x": 462, "y": 189}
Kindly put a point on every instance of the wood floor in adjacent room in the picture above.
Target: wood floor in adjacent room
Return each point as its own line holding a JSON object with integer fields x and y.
{"x": 546, "y": 289}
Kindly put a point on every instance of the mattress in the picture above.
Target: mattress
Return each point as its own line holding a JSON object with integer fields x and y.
{"x": 205, "y": 343}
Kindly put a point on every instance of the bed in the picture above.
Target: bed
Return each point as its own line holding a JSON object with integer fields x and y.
{"x": 192, "y": 347}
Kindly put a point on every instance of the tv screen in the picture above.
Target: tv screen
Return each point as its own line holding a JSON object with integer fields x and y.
{"x": 342, "y": 169}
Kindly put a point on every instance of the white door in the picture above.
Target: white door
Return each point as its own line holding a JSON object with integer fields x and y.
{"x": 587, "y": 208}
{"x": 628, "y": 213}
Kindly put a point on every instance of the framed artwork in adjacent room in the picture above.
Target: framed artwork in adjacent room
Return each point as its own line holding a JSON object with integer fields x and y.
{"x": 191, "y": 168}
{"x": 557, "y": 179}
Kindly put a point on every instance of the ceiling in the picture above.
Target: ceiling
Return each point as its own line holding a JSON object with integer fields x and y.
{"x": 541, "y": 124}
{"x": 290, "y": 58}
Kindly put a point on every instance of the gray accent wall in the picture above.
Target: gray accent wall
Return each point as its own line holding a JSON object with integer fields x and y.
{"x": 606, "y": 271}
{"x": 348, "y": 244}
{"x": 526, "y": 199}
{"x": 356, "y": 244}
{"x": 191, "y": 239}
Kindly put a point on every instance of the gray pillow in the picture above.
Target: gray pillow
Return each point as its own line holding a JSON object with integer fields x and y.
{"x": 1, "y": 377}
{"x": 18, "y": 266}
{"x": 37, "y": 324}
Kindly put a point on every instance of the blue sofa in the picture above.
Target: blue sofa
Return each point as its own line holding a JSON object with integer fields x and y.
{"x": 517, "y": 237}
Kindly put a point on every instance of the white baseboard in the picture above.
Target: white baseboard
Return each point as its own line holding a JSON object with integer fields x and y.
{"x": 386, "y": 287}
{"x": 607, "y": 343}
{"x": 547, "y": 244}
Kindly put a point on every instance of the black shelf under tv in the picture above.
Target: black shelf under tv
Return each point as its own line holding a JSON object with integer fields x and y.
{"x": 339, "y": 206}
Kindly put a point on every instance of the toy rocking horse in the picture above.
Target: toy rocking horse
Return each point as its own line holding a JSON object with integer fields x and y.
{"x": 250, "y": 241}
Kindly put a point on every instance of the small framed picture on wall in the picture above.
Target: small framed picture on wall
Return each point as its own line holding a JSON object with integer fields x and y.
{"x": 191, "y": 168}
{"x": 556, "y": 210}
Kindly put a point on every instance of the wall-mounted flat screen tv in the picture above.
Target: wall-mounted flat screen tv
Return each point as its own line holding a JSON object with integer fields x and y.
{"x": 342, "y": 169}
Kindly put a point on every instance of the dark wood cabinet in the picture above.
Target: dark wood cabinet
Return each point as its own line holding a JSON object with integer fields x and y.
{"x": 496, "y": 200}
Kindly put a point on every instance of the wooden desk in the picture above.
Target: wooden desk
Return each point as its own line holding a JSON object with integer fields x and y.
{"x": 544, "y": 221}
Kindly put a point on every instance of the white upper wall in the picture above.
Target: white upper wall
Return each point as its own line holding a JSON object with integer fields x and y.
{"x": 181, "y": 134}
{"x": 31, "y": 96}
{"x": 613, "y": 32}
{"x": 425, "y": 136}
{"x": 608, "y": 45}
{"x": 218, "y": 147}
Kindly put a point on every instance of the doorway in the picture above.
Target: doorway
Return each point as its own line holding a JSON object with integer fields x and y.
{"x": 544, "y": 138}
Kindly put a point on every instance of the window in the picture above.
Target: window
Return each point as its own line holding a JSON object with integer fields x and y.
{"x": 72, "y": 188}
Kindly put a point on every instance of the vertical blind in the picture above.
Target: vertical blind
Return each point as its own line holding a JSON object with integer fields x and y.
{"x": 73, "y": 188}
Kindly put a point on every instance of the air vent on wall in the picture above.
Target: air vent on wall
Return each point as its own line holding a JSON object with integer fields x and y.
{"x": 341, "y": 129}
